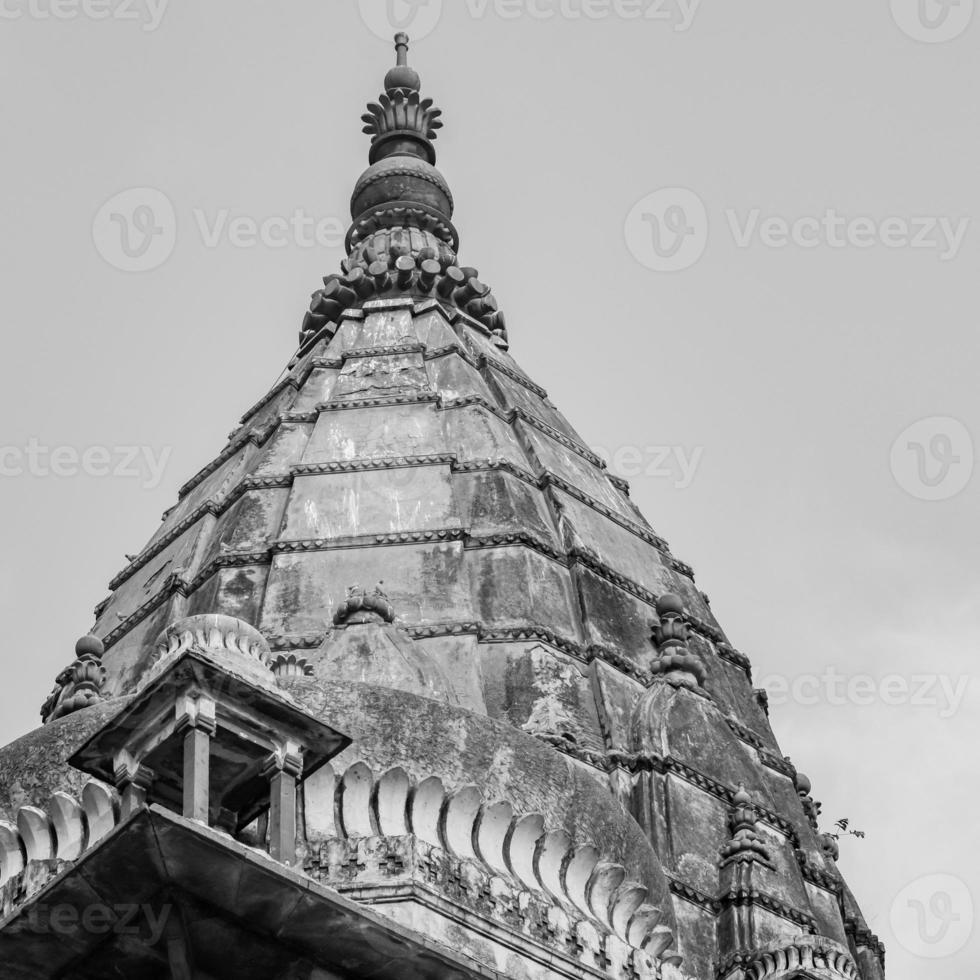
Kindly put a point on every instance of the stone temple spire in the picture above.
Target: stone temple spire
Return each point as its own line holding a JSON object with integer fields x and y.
{"x": 402, "y": 240}
{"x": 479, "y": 766}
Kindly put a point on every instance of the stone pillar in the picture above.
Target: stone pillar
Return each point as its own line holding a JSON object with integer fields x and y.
{"x": 196, "y": 718}
{"x": 133, "y": 782}
{"x": 283, "y": 768}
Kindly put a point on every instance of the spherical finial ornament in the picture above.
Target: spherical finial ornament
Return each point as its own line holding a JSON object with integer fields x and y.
{"x": 670, "y": 605}
{"x": 89, "y": 645}
{"x": 742, "y": 798}
{"x": 401, "y": 76}
{"x": 803, "y": 785}
{"x": 830, "y": 846}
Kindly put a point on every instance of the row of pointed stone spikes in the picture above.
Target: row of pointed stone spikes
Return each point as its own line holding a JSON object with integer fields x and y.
{"x": 427, "y": 276}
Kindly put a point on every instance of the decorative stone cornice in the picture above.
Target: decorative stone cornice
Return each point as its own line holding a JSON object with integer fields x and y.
{"x": 294, "y": 381}
{"x": 693, "y": 895}
{"x": 422, "y": 537}
{"x": 214, "y": 506}
{"x": 522, "y": 538}
{"x": 744, "y": 896}
{"x": 778, "y": 764}
{"x": 381, "y": 401}
{"x": 366, "y": 464}
{"x": 432, "y": 630}
{"x": 257, "y": 437}
{"x": 393, "y": 350}
{"x": 234, "y": 559}
{"x": 623, "y": 486}
{"x": 525, "y": 634}
{"x": 733, "y": 656}
{"x": 560, "y": 941}
{"x": 785, "y": 960}
{"x": 818, "y": 876}
{"x": 515, "y": 376}
{"x": 493, "y": 465}
{"x": 863, "y": 938}
{"x": 172, "y": 585}
{"x": 651, "y": 762}
{"x": 419, "y": 827}
{"x": 559, "y": 437}
{"x": 379, "y": 266}
{"x": 745, "y": 734}
{"x": 304, "y": 545}
{"x": 552, "y": 479}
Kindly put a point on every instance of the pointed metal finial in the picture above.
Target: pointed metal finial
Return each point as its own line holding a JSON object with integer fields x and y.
{"x": 401, "y": 78}
{"x": 401, "y": 47}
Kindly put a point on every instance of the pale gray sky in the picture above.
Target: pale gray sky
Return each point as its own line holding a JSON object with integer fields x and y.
{"x": 827, "y": 305}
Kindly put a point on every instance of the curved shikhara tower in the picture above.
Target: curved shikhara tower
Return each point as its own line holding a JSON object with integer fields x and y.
{"x": 405, "y": 686}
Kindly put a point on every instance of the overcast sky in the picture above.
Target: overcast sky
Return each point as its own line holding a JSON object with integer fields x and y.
{"x": 736, "y": 242}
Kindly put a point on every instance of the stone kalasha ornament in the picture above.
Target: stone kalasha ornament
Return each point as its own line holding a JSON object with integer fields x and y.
{"x": 747, "y": 844}
{"x": 810, "y": 806}
{"x": 361, "y": 606}
{"x": 830, "y": 847}
{"x": 402, "y": 240}
{"x": 676, "y": 663}
{"x": 79, "y": 685}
